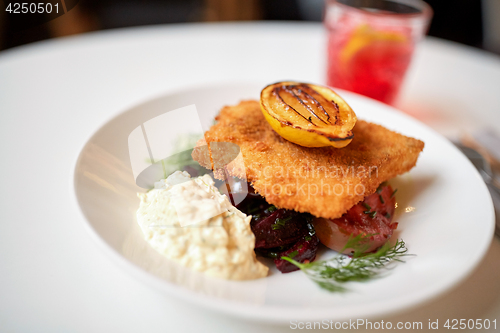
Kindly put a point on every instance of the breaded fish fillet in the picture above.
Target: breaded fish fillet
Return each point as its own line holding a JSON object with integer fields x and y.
{"x": 326, "y": 181}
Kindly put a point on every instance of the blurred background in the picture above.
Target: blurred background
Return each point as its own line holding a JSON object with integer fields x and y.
{"x": 471, "y": 22}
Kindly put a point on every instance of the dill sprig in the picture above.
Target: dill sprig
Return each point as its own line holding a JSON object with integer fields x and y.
{"x": 332, "y": 274}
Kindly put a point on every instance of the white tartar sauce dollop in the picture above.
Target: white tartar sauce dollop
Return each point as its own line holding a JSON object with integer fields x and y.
{"x": 190, "y": 221}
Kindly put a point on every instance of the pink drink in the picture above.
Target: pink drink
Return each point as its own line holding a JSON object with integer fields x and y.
{"x": 370, "y": 51}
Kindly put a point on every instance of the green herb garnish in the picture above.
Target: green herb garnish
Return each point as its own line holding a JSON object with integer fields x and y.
{"x": 393, "y": 193}
{"x": 291, "y": 255}
{"x": 368, "y": 211}
{"x": 380, "y": 187}
{"x": 332, "y": 274}
{"x": 381, "y": 199}
{"x": 387, "y": 215}
{"x": 280, "y": 223}
{"x": 271, "y": 208}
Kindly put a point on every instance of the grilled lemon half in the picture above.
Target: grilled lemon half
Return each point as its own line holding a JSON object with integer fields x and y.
{"x": 308, "y": 115}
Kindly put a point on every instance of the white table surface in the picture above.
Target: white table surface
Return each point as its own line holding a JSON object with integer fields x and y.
{"x": 55, "y": 94}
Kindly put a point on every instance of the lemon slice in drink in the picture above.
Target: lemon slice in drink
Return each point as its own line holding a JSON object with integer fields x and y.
{"x": 365, "y": 35}
{"x": 308, "y": 115}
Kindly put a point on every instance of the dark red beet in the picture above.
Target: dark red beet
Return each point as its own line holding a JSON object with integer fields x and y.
{"x": 279, "y": 232}
{"x": 280, "y": 228}
{"x": 272, "y": 227}
{"x": 302, "y": 251}
{"x": 253, "y": 203}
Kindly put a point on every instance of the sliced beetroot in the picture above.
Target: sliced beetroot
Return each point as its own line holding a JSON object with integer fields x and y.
{"x": 279, "y": 232}
{"x": 280, "y": 228}
{"x": 271, "y": 226}
{"x": 303, "y": 251}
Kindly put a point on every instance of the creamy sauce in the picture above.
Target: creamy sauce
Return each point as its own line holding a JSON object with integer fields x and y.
{"x": 188, "y": 220}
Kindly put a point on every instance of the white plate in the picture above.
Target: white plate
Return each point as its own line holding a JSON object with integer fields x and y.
{"x": 449, "y": 229}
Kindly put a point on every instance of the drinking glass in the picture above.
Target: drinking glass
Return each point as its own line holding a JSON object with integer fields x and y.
{"x": 371, "y": 43}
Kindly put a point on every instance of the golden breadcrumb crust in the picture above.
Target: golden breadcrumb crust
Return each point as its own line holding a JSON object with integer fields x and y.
{"x": 326, "y": 181}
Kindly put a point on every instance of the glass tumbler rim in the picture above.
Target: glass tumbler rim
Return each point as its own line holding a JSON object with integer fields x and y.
{"x": 425, "y": 10}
